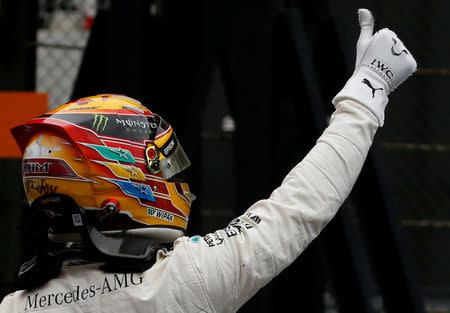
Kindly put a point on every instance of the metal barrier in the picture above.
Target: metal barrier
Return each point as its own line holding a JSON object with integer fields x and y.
{"x": 64, "y": 27}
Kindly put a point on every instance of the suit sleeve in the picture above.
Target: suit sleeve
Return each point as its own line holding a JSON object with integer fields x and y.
{"x": 235, "y": 262}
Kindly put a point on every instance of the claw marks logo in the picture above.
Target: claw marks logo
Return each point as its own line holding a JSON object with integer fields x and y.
{"x": 369, "y": 84}
{"x": 395, "y": 52}
{"x": 41, "y": 167}
{"x": 38, "y": 149}
{"x": 100, "y": 122}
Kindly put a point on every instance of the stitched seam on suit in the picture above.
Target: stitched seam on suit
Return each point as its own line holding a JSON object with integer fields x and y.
{"x": 342, "y": 137}
{"x": 329, "y": 180}
{"x": 199, "y": 277}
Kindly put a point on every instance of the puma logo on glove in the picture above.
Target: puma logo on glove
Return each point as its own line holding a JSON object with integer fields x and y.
{"x": 368, "y": 83}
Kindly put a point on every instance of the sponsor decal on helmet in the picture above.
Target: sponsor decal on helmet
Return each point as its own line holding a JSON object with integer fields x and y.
{"x": 35, "y": 168}
{"x": 169, "y": 146}
{"x": 160, "y": 214}
{"x": 47, "y": 167}
{"x": 135, "y": 125}
{"x": 100, "y": 122}
{"x": 131, "y": 127}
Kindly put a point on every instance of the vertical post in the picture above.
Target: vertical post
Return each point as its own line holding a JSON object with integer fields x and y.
{"x": 18, "y": 26}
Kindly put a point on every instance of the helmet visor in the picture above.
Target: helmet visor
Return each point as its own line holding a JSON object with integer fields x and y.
{"x": 173, "y": 160}
{"x": 175, "y": 163}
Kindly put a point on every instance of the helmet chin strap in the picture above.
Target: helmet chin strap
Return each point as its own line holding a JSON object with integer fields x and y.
{"x": 119, "y": 254}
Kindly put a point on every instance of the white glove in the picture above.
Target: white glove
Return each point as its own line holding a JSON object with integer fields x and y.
{"x": 382, "y": 64}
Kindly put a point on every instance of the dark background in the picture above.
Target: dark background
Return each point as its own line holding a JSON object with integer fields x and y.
{"x": 272, "y": 66}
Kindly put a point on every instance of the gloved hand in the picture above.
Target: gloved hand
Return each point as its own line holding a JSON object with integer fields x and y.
{"x": 382, "y": 64}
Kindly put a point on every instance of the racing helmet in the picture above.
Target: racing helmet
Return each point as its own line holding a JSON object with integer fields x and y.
{"x": 114, "y": 162}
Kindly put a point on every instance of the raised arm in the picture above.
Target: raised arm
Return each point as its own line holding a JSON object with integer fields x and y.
{"x": 235, "y": 262}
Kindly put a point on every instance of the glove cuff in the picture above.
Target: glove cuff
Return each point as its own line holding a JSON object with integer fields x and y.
{"x": 367, "y": 88}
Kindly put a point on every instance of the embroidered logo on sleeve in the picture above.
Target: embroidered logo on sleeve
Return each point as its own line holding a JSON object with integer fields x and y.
{"x": 236, "y": 227}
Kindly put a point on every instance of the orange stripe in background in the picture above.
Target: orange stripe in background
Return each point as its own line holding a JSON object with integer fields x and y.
{"x": 17, "y": 108}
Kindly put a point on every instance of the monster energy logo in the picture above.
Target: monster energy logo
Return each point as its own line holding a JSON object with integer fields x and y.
{"x": 99, "y": 121}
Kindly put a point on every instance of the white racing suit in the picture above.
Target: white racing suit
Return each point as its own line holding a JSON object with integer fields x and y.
{"x": 221, "y": 271}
